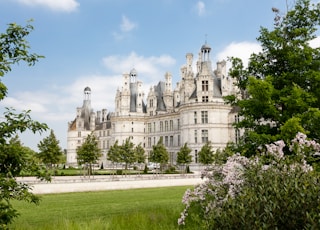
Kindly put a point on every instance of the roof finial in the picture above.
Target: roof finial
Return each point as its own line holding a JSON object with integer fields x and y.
{"x": 206, "y": 35}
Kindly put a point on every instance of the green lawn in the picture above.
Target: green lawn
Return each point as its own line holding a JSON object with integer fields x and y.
{"x": 154, "y": 208}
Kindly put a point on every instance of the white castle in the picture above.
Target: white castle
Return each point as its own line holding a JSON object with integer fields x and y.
{"x": 193, "y": 113}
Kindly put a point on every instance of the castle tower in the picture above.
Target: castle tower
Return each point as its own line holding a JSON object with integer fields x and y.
{"x": 86, "y": 108}
{"x": 124, "y": 100}
{"x": 168, "y": 95}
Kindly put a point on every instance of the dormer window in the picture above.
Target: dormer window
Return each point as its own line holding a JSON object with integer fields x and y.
{"x": 205, "y": 86}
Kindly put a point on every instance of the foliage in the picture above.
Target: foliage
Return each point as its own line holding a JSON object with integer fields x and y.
{"x": 270, "y": 191}
{"x": 15, "y": 158}
{"x": 140, "y": 156}
{"x": 14, "y": 49}
{"x": 139, "y": 153}
{"x": 50, "y": 151}
{"x": 206, "y": 154}
{"x": 279, "y": 90}
{"x": 113, "y": 153}
{"x": 89, "y": 152}
{"x": 126, "y": 153}
{"x": 159, "y": 154}
{"x": 184, "y": 155}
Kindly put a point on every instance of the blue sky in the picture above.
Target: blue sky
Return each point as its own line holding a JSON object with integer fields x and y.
{"x": 93, "y": 42}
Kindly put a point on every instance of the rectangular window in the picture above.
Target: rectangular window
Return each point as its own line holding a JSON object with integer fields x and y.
{"x": 204, "y": 135}
{"x": 178, "y": 121}
{"x": 151, "y": 113}
{"x": 108, "y": 144}
{"x": 79, "y": 134}
{"x": 196, "y": 156}
{"x": 161, "y": 126}
{"x": 154, "y": 140}
{"x": 151, "y": 103}
{"x": 154, "y": 127}
{"x": 178, "y": 140}
{"x": 204, "y": 117}
{"x": 149, "y": 127}
{"x": 108, "y": 132}
{"x": 166, "y": 141}
{"x": 205, "y": 98}
{"x": 149, "y": 142}
{"x": 171, "y": 140}
{"x": 103, "y": 144}
{"x": 171, "y": 125}
{"x": 196, "y": 136}
{"x": 166, "y": 126}
{"x": 195, "y": 117}
{"x": 205, "y": 86}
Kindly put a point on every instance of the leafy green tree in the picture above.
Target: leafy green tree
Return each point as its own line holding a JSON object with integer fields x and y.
{"x": 14, "y": 159}
{"x": 206, "y": 154}
{"x": 89, "y": 152}
{"x": 280, "y": 86}
{"x": 159, "y": 154}
{"x": 184, "y": 156}
{"x": 113, "y": 153}
{"x": 139, "y": 154}
{"x": 50, "y": 151}
{"x": 126, "y": 153}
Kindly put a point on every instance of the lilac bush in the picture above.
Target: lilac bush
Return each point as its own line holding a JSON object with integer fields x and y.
{"x": 271, "y": 190}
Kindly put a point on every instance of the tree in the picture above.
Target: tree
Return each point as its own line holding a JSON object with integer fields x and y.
{"x": 206, "y": 154}
{"x": 159, "y": 154}
{"x": 280, "y": 86}
{"x": 14, "y": 159}
{"x": 50, "y": 151}
{"x": 113, "y": 153}
{"x": 184, "y": 156}
{"x": 126, "y": 153}
{"x": 139, "y": 154}
{"x": 89, "y": 152}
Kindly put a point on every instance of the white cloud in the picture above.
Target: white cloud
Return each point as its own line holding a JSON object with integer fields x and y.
{"x": 242, "y": 50}
{"x": 57, "y": 5}
{"x": 126, "y": 24}
{"x": 25, "y": 103}
{"x": 200, "y": 7}
{"x": 151, "y": 68}
{"x": 103, "y": 90}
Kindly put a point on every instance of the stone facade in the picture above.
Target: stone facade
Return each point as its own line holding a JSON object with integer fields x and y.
{"x": 193, "y": 112}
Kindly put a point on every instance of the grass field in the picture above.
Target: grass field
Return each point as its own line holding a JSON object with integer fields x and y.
{"x": 154, "y": 208}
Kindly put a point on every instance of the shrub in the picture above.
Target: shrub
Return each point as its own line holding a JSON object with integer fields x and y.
{"x": 170, "y": 169}
{"x": 271, "y": 191}
{"x": 119, "y": 172}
